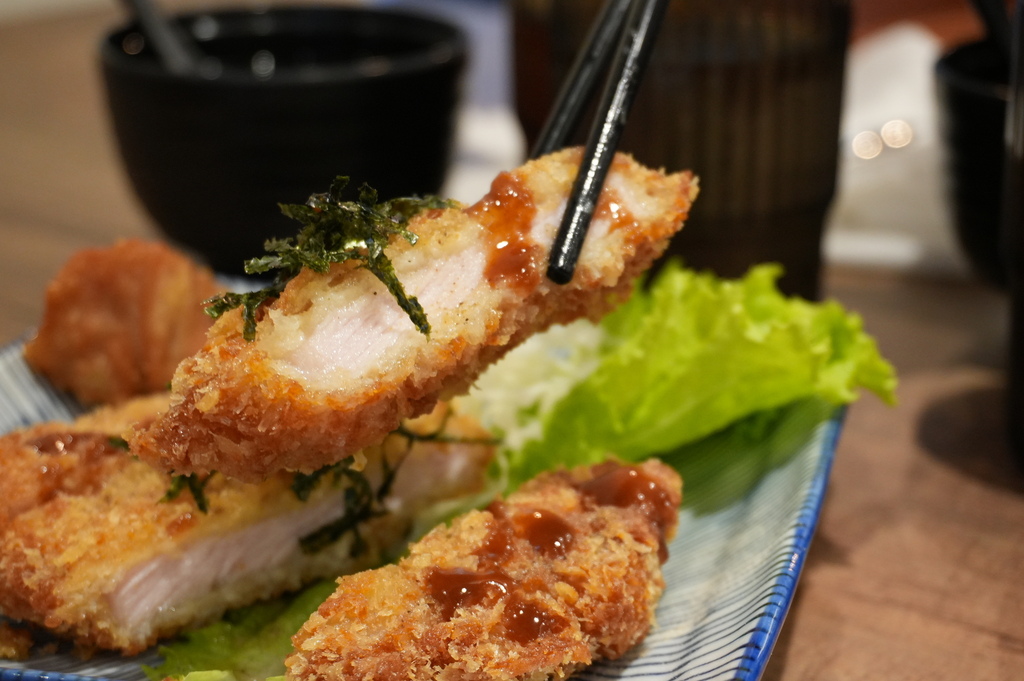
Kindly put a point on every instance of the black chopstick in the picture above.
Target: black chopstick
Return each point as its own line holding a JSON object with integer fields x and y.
{"x": 581, "y": 82}
{"x": 636, "y": 41}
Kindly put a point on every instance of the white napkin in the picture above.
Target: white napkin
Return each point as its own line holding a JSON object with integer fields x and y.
{"x": 892, "y": 210}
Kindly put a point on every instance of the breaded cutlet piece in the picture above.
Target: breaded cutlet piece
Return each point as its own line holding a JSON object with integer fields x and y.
{"x": 117, "y": 320}
{"x": 563, "y": 572}
{"x": 336, "y": 364}
{"x": 90, "y": 550}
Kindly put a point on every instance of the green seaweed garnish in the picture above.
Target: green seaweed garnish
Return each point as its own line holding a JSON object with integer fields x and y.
{"x": 334, "y": 230}
{"x": 362, "y": 503}
{"x": 195, "y": 484}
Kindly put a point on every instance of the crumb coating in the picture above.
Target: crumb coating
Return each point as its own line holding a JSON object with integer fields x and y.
{"x": 248, "y": 409}
{"x": 81, "y": 519}
{"x": 534, "y": 587}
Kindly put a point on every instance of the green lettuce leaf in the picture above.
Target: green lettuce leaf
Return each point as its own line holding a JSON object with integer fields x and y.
{"x": 211, "y": 675}
{"x": 722, "y": 468}
{"x": 248, "y": 643}
{"x": 693, "y": 354}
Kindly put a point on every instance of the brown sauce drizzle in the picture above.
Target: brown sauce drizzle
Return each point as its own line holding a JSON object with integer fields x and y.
{"x": 71, "y": 462}
{"x": 456, "y": 588}
{"x": 549, "y": 534}
{"x": 525, "y": 621}
{"x": 628, "y": 486}
{"x": 546, "y": 531}
{"x": 610, "y": 207}
{"x": 82, "y": 444}
{"x": 506, "y": 213}
{"x": 498, "y": 545}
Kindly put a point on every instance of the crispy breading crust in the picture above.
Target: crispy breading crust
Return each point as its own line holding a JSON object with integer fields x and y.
{"x": 515, "y": 606}
{"x": 238, "y": 410}
{"x": 118, "y": 320}
{"x": 15, "y": 644}
{"x": 78, "y": 515}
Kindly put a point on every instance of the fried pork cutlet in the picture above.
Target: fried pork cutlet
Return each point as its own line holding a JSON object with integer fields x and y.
{"x": 91, "y": 550}
{"x": 336, "y": 363}
{"x": 118, "y": 320}
{"x": 565, "y": 571}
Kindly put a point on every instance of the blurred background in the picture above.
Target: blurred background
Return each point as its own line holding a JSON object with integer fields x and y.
{"x": 891, "y": 207}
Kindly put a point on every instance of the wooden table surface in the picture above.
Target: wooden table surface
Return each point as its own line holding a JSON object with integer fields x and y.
{"x": 917, "y": 569}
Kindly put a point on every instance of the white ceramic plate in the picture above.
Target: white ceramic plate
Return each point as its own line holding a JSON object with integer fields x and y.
{"x": 731, "y": 575}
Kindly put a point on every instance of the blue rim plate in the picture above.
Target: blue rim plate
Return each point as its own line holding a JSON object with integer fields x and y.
{"x": 730, "y": 579}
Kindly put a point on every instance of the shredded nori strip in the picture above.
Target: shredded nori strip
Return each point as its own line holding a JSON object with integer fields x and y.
{"x": 334, "y": 230}
{"x": 361, "y": 501}
{"x": 196, "y": 486}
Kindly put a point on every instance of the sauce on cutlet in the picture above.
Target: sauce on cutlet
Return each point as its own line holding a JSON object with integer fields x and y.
{"x": 549, "y": 535}
{"x": 454, "y": 588}
{"x": 547, "y": 532}
{"x": 507, "y": 213}
{"x": 629, "y": 486}
{"x": 525, "y": 621}
{"x": 83, "y": 444}
{"x": 71, "y": 462}
{"x": 611, "y": 207}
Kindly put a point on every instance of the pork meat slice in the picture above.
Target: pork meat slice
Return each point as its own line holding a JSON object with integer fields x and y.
{"x": 92, "y": 549}
{"x": 336, "y": 364}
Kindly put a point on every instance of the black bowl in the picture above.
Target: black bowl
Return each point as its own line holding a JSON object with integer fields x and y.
{"x": 298, "y": 96}
{"x": 973, "y": 91}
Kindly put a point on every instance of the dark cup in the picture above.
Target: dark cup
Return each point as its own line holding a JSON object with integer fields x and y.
{"x": 747, "y": 94}
{"x": 1013, "y": 236}
{"x": 301, "y": 96}
{"x": 971, "y": 83}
